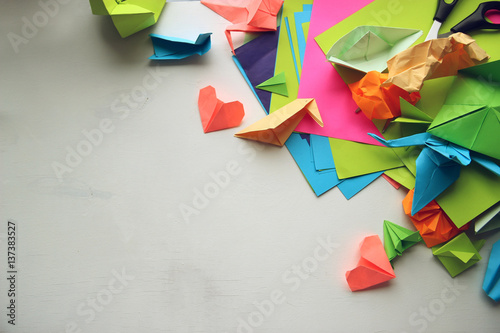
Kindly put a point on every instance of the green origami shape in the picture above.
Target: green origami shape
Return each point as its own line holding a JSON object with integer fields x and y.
{"x": 367, "y": 48}
{"x": 412, "y": 119}
{"x": 398, "y": 239}
{"x": 470, "y": 116}
{"x": 276, "y": 84}
{"x": 129, "y": 16}
{"x": 458, "y": 254}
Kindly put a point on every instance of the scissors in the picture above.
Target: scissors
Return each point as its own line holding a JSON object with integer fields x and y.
{"x": 476, "y": 20}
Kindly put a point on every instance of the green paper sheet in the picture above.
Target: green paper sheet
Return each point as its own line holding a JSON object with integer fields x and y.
{"x": 355, "y": 159}
{"x": 398, "y": 239}
{"x": 458, "y": 254}
{"x": 284, "y": 59}
{"x": 474, "y": 192}
{"x": 411, "y": 15}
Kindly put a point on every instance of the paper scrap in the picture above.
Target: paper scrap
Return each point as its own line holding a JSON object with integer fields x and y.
{"x": 379, "y": 101}
{"x": 488, "y": 221}
{"x": 276, "y": 127}
{"x": 398, "y": 239}
{"x": 373, "y": 267}
{"x": 129, "y": 16}
{"x": 434, "y": 225}
{"x": 217, "y": 115}
{"x": 367, "y": 48}
{"x": 458, "y": 254}
{"x": 276, "y": 84}
{"x": 432, "y": 59}
{"x": 491, "y": 285}
{"x": 169, "y": 48}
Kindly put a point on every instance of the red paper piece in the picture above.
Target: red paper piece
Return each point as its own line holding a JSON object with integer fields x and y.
{"x": 217, "y": 115}
{"x": 391, "y": 181}
{"x": 379, "y": 102}
{"x": 373, "y": 267}
{"x": 434, "y": 225}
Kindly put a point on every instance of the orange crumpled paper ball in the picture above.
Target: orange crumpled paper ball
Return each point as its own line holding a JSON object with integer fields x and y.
{"x": 434, "y": 225}
{"x": 379, "y": 102}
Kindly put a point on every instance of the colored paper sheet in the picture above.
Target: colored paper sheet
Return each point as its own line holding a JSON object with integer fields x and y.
{"x": 367, "y": 48}
{"x": 302, "y": 20}
{"x": 434, "y": 225}
{"x": 491, "y": 283}
{"x": 323, "y": 160}
{"x": 284, "y": 57}
{"x": 129, "y": 16}
{"x": 320, "y": 80}
{"x": 275, "y": 84}
{"x": 472, "y": 194}
{"x": 171, "y": 48}
{"x": 398, "y": 239}
{"x": 471, "y": 114}
{"x": 378, "y": 101}
{"x": 403, "y": 176}
{"x": 355, "y": 159}
{"x": 433, "y": 59}
{"x": 320, "y": 181}
{"x": 488, "y": 221}
{"x": 276, "y": 127}
{"x": 352, "y": 186}
{"x": 322, "y": 152}
{"x": 413, "y": 15}
{"x": 217, "y": 115}
{"x": 458, "y": 254}
{"x": 391, "y": 181}
{"x": 373, "y": 267}
{"x": 257, "y": 58}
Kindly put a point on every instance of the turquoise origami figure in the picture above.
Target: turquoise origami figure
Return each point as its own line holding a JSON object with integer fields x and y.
{"x": 170, "y": 48}
{"x": 438, "y": 165}
{"x": 491, "y": 284}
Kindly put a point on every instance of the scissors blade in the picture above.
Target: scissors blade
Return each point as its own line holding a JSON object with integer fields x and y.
{"x": 433, "y": 32}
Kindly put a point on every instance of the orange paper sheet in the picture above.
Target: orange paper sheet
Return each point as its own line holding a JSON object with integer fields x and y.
{"x": 277, "y": 127}
{"x": 373, "y": 267}
{"x": 217, "y": 115}
{"x": 432, "y": 59}
{"x": 434, "y": 225}
{"x": 377, "y": 101}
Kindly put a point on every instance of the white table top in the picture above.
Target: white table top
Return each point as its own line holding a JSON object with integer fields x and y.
{"x": 102, "y": 243}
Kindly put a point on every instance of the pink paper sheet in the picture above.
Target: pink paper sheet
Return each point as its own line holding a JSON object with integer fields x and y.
{"x": 321, "y": 81}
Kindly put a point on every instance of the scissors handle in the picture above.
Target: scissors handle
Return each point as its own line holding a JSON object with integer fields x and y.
{"x": 444, "y": 9}
{"x": 477, "y": 20}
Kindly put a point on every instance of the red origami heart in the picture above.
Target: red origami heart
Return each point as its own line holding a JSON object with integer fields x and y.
{"x": 373, "y": 267}
{"x": 217, "y": 115}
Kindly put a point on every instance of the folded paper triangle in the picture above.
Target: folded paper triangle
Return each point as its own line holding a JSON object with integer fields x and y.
{"x": 276, "y": 127}
{"x": 276, "y": 84}
{"x": 373, "y": 267}
{"x": 458, "y": 254}
{"x": 217, "y": 115}
{"x": 398, "y": 239}
{"x": 129, "y": 16}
